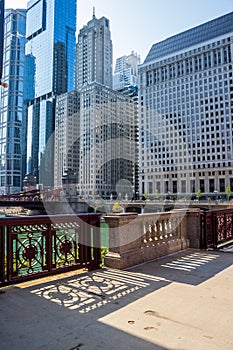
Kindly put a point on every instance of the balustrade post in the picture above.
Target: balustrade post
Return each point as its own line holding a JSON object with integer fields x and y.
{"x": 2, "y": 254}
{"x": 9, "y": 254}
{"x": 49, "y": 248}
{"x": 194, "y": 228}
{"x": 124, "y": 240}
{"x": 96, "y": 242}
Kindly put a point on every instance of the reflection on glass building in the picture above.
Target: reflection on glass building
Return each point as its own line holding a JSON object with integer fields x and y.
{"x": 186, "y": 111}
{"x": 50, "y": 62}
{"x": 11, "y": 101}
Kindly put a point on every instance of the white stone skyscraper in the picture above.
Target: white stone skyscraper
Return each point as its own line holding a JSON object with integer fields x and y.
{"x": 186, "y": 111}
{"x": 126, "y": 71}
{"x": 94, "y": 54}
{"x": 108, "y": 144}
{"x": 96, "y": 127}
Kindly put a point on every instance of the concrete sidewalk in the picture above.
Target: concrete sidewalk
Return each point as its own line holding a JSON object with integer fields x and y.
{"x": 183, "y": 301}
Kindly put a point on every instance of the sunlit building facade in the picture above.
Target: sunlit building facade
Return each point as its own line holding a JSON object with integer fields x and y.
{"x": 126, "y": 71}
{"x": 94, "y": 54}
{"x": 186, "y": 111}
{"x": 50, "y": 54}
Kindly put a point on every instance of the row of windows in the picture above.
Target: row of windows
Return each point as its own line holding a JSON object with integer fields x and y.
{"x": 191, "y": 186}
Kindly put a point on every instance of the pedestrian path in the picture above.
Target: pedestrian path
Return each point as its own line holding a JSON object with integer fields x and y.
{"x": 182, "y": 301}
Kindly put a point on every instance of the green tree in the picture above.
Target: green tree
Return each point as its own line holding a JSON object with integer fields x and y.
{"x": 228, "y": 192}
{"x": 198, "y": 194}
{"x": 146, "y": 195}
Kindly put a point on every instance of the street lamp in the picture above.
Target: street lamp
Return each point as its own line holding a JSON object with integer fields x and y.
{"x": 216, "y": 196}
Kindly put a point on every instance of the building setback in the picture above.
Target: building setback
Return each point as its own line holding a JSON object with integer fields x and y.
{"x": 50, "y": 68}
{"x": 11, "y": 101}
{"x": 186, "y": 111}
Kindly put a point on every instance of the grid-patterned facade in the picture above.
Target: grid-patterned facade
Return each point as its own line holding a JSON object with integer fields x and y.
{"x": 108, "y": 150}
{"x": 11, "y": 101}
{"x": 186, "y": 111}
{"x": 50, "y": 68}
{"x": 126, "y": 71}
{"x": 66, "y": 157}
{"x": 94, "y": 54}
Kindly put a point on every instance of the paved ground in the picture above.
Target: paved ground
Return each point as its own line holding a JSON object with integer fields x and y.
{"x": 182, "y": 302}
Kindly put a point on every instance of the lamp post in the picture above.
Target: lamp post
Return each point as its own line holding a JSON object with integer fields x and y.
{"x": 216, "y": 196}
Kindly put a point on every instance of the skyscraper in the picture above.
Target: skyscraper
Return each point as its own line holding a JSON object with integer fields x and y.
{"x": 2, "y": 7}
{"x": 103, "y": 154}
{"x": 94, "y": 54}
{"x": 186, "y": 111}
{"x": 50, "y": 67}
{"x": 126, "y": 71}
{"x": 11, "y": 101}
{"x": 67, "y": 128}
{"x": 108, "y": 147}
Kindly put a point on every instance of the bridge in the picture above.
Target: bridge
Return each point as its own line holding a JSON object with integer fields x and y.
{"x": 54, "y": 202}
{"x": 44, "y": 202}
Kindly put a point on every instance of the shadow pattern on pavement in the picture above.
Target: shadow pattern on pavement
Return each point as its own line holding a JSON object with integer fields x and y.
{"x": 91, "y": 291}
{"x": 64, "y": 314}
{"x": 94, "y": 290}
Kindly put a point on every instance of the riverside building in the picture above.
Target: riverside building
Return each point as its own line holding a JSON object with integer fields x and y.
{"x": 108, "y": 150}
{"x": 11, "y": 101}
{"x": 50, "y": 68}
{"x": 107, "y": 119}
{"x": 67, "y": 125}
{"x": 186, "y": 111}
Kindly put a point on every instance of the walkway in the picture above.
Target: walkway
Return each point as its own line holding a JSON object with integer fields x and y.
{"x": 181, "y": 302}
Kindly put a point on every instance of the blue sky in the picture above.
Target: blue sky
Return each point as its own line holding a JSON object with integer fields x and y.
{"x": 136, "y": 25}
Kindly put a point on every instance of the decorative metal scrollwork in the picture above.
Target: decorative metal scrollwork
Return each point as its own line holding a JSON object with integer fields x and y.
{"x": 30, "y": 252}
{"x": 66, "y": 247}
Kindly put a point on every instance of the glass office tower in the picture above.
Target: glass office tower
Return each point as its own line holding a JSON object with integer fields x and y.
{"x": 50, "y": 65}
{"x": 11, "y": 101}
{"x": 2, "y": 6}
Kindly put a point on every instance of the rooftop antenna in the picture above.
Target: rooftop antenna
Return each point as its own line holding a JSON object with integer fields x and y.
{"x": 93, "y": 12}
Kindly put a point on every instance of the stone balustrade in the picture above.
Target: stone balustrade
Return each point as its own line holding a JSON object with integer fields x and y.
{"x": 137, "y": 238}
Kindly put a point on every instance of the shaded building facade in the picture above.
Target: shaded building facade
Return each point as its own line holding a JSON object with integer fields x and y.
{"x": 67, "y": 126}
{"x": 108, "y": 150}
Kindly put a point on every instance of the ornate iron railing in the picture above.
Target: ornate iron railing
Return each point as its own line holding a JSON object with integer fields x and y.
{"x": 36, "y": 246}
{"x": 218, "y": 227}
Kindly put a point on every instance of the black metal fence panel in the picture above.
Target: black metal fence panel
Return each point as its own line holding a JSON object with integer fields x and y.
{"x": 36, "y": 246}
